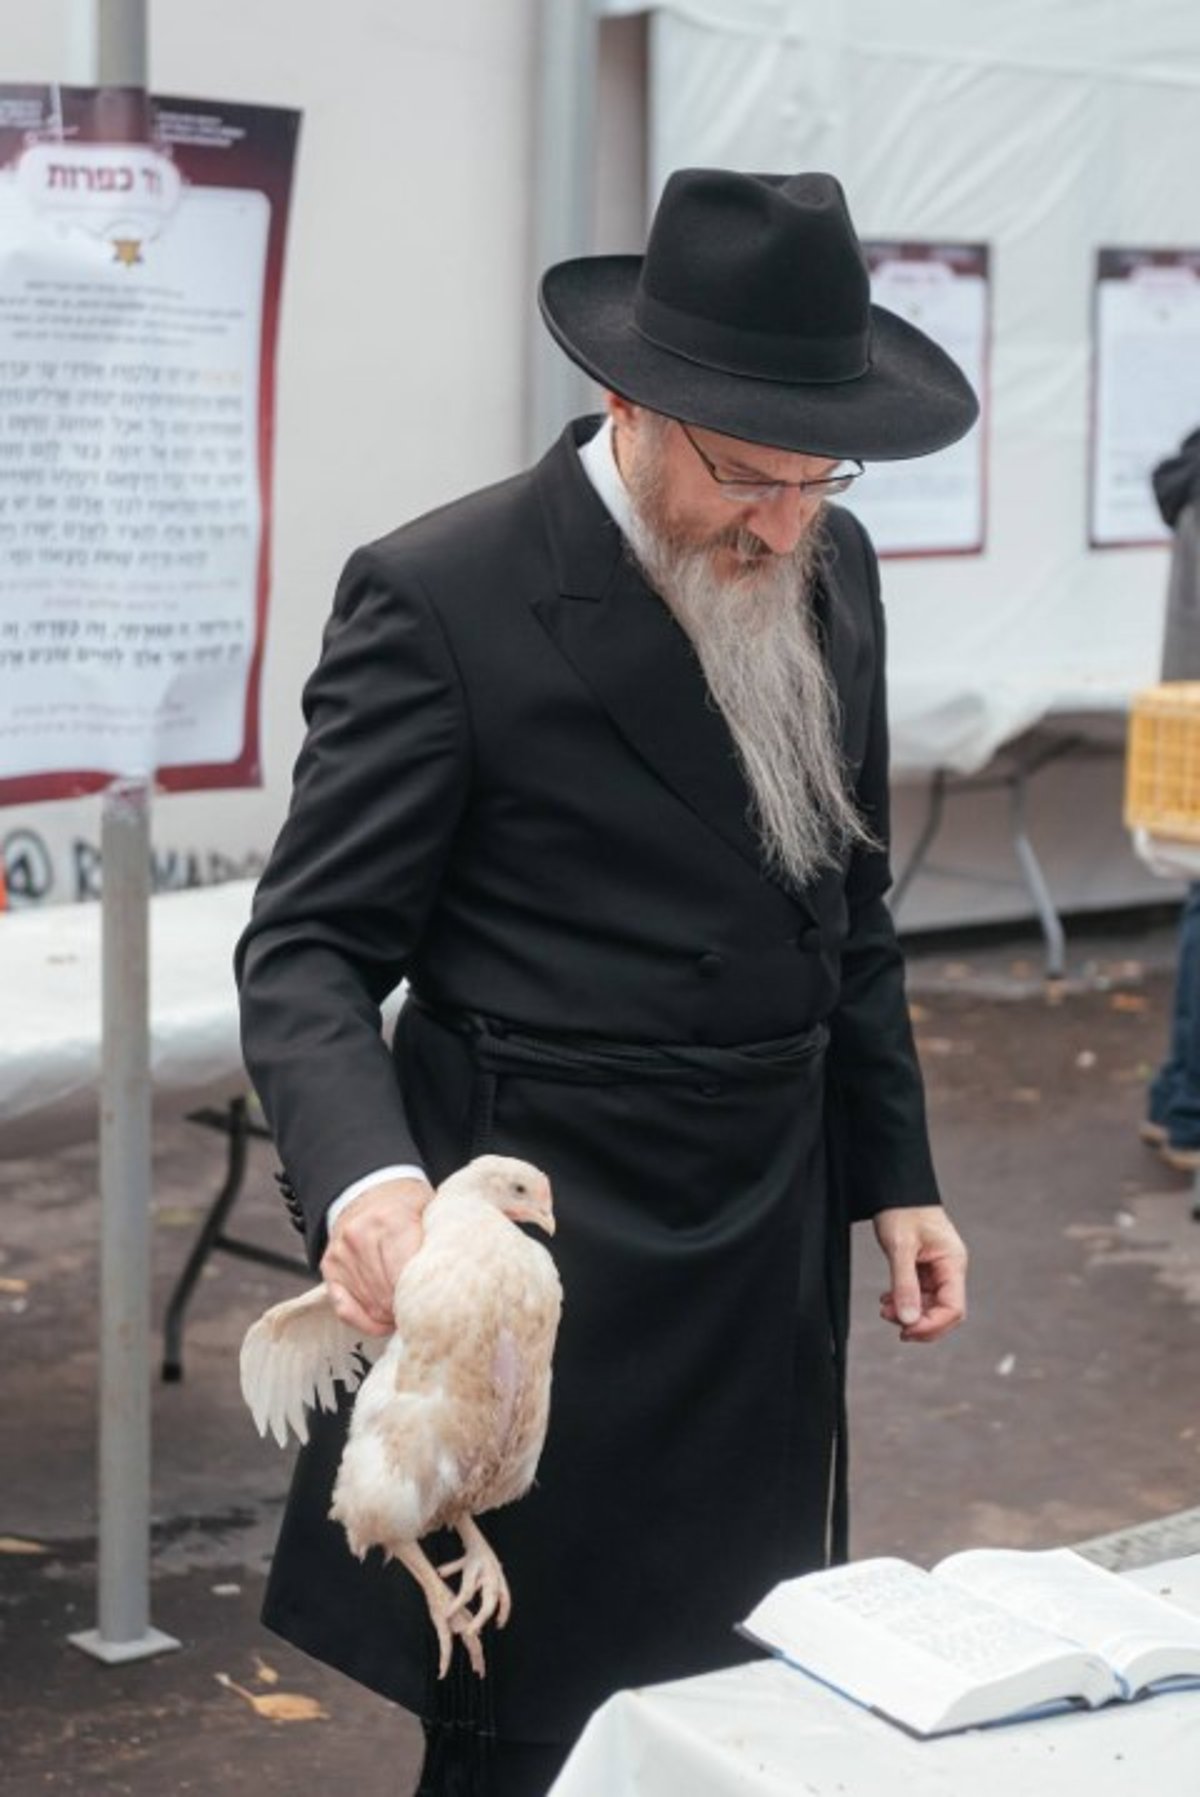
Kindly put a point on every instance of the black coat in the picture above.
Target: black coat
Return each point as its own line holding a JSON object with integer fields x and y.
{"x": 515, "y": 792}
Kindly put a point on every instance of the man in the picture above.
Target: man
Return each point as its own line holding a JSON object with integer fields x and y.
{"x": 1172, "y": 1121}
{"x": 597, "y": 759}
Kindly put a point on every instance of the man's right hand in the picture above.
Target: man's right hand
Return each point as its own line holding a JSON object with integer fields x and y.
{"x": 369, "y": 1244}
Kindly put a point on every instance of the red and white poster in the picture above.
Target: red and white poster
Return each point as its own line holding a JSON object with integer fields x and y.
{"x": 936, "y": 504}
{"x": 141, "y": 260}
{"x": 1145, "y": 385}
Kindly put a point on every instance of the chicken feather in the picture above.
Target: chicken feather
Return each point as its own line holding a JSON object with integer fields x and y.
{"x": 291, "y": 1359}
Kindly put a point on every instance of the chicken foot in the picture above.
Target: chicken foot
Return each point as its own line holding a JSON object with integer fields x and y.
{"x": 480, "y": 1576}
{"x": 444, "y": 1606}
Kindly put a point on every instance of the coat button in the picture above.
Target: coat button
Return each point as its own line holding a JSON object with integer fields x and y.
{"x": 710, "y": 964}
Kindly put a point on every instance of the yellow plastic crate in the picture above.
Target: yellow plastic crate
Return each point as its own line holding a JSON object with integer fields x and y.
{"x": 1162, "y": 770}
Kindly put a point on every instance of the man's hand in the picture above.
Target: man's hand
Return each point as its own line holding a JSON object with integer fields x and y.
{"x": 927, "y": 1261}
{"x": 368, "y": 1245}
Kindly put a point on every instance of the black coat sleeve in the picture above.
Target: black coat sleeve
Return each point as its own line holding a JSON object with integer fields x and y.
{"x": 380, "y": 787}
{"x": 878, "y": 1099}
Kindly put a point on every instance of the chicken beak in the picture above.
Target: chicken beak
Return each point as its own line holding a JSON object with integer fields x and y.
{"x": 540, "y": 1215}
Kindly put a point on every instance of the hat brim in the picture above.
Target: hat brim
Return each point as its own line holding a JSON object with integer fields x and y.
{"x": 912, "y": 399}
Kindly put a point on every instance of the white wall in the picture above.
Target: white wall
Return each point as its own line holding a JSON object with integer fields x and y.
{"x": 406, "y": 304}
{"x": 1046, "y": 128}
{"x": 403, "y": 378}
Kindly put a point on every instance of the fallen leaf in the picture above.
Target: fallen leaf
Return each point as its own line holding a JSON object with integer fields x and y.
{"x": 14, "y": 1544}
{"x": 290, "y": 1706}
{"x": 1129, "y": 1001}
{"x": 14, "y": 1285}
{"x": 176, "y": 1216}
{"x": 1022, "y": 969}
{"x": 276, "y": 1706}
{"x": 266, "y": 1675}
{"x": 226, "y": 1590}
{"x": 1005, "y": 1365}
{"x": 956, "y": 970}
{"x": 1085, "y": 1058}
{"x": 918, "y": 1013}
{"x": 1026, "y": 1095}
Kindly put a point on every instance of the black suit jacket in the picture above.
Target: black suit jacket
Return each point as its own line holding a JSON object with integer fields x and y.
{"x": 515, "y": 791}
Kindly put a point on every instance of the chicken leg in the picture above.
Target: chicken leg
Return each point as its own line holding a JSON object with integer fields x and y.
{"x": 480, "y": 1575}
{"x": 442, "y": 1602}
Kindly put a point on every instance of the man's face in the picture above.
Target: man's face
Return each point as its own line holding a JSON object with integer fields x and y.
{"x": 665, "y": 466}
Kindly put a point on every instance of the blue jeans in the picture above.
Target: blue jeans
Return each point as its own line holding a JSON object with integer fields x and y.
{"x": 1174, "y": 1099}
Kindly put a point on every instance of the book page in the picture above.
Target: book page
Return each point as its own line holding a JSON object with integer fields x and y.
{"x": 1141, "y": 1636}
{"x": 896, "y": 1638}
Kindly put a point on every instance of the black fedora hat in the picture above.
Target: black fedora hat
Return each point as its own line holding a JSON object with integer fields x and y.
{"x": 750, "y": 314}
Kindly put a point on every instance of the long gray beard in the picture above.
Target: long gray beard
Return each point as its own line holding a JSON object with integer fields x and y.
{"x": 757, "y": 644}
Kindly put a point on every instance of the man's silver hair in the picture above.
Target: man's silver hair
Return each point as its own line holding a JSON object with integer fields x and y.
{"x": 756, "y": 638}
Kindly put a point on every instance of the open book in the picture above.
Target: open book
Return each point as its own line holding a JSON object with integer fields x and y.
{"x": 987, "y": 1636}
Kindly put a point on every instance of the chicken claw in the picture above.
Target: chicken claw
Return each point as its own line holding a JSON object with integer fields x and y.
{"x": 440, "y": 1600}
{"x": 482, "y": 1577}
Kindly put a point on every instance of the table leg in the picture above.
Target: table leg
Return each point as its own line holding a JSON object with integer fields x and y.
{"x": 222, "y": 1204}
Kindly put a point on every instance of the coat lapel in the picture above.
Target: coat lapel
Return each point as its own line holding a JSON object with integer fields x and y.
{"x": 626, "y": 647}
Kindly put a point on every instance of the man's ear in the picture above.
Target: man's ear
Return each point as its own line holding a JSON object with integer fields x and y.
{"x": 621, "y": 411}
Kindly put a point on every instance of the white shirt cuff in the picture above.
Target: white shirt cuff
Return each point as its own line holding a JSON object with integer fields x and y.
{"x": 337, "y": 1205}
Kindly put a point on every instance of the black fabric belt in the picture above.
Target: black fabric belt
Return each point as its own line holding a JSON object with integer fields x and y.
{"x": 501, "y": 1047}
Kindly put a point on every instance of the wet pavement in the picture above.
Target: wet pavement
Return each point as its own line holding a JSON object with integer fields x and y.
{"x": 1065, "y": 1411}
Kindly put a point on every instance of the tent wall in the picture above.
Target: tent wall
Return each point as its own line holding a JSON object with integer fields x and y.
{"x": 408, "y": 300}
{"x": 1045, "y": 128}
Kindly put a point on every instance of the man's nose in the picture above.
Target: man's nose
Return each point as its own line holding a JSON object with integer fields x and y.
{"x": 782, "y": 520}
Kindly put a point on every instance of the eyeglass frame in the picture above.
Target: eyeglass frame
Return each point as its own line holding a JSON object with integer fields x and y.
{"x": 752, "y": 492}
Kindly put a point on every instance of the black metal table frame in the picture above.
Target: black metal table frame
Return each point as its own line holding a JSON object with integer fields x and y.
{"x": 237, "y": 1124}
{"x": 1026, "y": 757}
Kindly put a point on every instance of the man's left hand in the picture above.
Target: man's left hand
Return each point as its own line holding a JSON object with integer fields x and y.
{"x": 927, "y": 1262}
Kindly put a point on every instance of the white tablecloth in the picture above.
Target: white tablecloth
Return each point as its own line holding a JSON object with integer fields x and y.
{"x": 765, "y": 1730}
{"x": 50, "y": 1007}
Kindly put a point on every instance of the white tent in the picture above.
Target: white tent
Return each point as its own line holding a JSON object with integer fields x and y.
{"x": 1045, "y": 129}
{"x": 405, "y": 371}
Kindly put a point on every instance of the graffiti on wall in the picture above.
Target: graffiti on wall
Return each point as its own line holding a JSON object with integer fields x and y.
{"x": 35, "y": 874}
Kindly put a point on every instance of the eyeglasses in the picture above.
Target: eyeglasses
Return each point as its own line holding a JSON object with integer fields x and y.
{"x": 742, "y": 491}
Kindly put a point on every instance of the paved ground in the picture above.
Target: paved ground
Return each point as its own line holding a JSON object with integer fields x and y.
{"x": 1065, "y": 1411}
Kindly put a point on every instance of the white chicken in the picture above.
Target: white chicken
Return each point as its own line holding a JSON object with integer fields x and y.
{"x": 450, "y": 1420}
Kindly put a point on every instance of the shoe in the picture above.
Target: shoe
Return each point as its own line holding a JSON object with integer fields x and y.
{"x": 1183, "y": 1160}
{"x": 1153, "y": 1134}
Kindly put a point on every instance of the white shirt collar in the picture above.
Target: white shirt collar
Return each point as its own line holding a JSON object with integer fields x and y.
{"x": 600, "y": 465}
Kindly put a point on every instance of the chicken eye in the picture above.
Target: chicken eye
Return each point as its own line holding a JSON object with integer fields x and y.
{"x": 519, "y": 1189}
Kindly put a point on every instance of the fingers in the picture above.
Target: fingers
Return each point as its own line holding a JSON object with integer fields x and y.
{"x": 350, "y": 1268}
{"x": 351, "y": 1313}
{"x": 937, "y": 1317}
{"x": 369, "y": 1245}
{"x": 928, "y": 1264}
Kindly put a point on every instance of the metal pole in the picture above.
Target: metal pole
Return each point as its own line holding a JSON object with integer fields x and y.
{"x": 563, "y": 152}
{"x": 124, "y": 1631}
{"x": 122, "y": 53}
